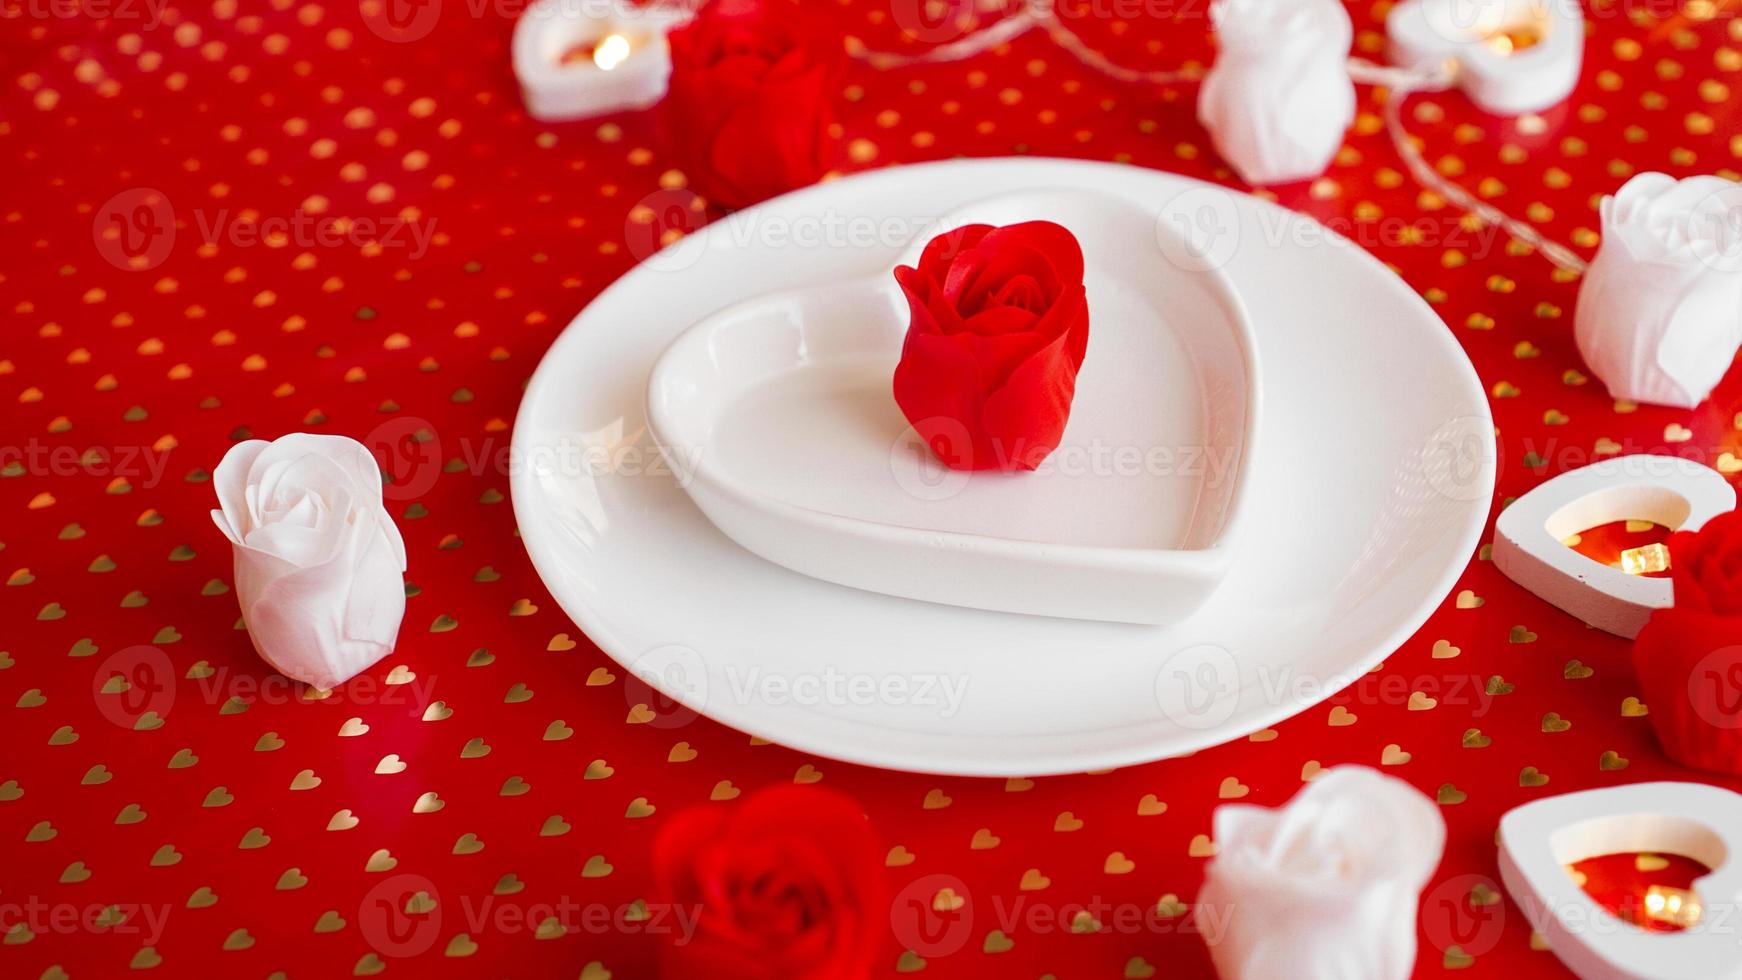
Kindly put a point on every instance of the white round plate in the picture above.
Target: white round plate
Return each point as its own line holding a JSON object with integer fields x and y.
{"x": 1371, "y": 487}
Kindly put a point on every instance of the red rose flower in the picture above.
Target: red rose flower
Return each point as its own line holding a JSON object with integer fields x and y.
{"x": 751, "y": 99}
{"x": 1689, "y": 656}
{"x": 998, "y": 330}
{"x": 789, "y": 886}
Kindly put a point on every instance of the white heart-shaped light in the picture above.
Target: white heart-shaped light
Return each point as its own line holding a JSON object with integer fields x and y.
{"x": 1477, "y": 35}
{"x": 779, "y": 416}
{"x": 1529, "y": 535}
{"x": 632, "y": 74}
{"x": 1539, "y": 840}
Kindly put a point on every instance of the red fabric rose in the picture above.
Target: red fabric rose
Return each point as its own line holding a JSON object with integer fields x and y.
{"x": 751, "y": 99}
{"x": 999, "y": 326}
{"x": 1689, "y": 656}
{"x": 789, "y": 886}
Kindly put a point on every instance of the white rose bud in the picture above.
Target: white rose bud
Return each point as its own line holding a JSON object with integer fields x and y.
{"x": 1278, "y": 98}
{"x": 1660, "y": 310}
{"x": 319, "y": 563}
{"x": 1325, "y": 886}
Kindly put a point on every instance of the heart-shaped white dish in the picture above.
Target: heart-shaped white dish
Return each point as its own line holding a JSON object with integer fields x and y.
{"x": 1677, "y": 493}
{"x": 1474, "y": 34}
{"x": 779, "y": 417}
{"x": 1539, "y": 840}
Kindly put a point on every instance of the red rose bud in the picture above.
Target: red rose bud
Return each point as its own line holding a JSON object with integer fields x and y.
{"x": 786, "y": 886}
{"x": 998, "y": 329}
{"x": 1689, "y": 656}
{"x": 750, "y": 100}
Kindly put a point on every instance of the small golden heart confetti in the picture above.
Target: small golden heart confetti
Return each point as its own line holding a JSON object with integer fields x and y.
{"x": 596, "y": 867}
{"x": 1634, "y": 708}
{"x": 460, "y": 945}
{"x": 946, "y": 900}
{"x": 1553, "y": 722}
{"x": 1530, "y": 776}
{"x": 1150, "y": 806}
{"x": 1394, "y": 755}
{"x": 984, "y": 840}
{"x": 723, "y": 790}
{"x": 468, "y": 844}
{"x": 1650, "y": 863}
{"x": 1450, "y": 795}
{"x": 343, "y": 820}
{"x": 1612, "y": 761}
{"x": 1033, "y": 880}
{"x": 1232, "y": 789}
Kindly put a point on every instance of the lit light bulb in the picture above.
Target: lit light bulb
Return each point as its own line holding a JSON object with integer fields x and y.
{"x": 1676, "y": 906}
{"x": 1649, "y": 560}
{"x": 611, "y": 52}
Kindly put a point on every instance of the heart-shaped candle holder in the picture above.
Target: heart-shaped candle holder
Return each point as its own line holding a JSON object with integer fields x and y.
{"x": 778, "y": 415}
{"x": 1510, "y": 56}
{"x": 1528, "y": 537}
{"x": 1539, "y": 840}
{"x": 578, "y": 58}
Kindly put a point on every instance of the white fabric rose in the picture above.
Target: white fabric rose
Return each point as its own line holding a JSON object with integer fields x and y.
{"x": 319, "y": 563}
{"x": 1660, "y": 309}
{"x": 1278, "y": 98}
{"x": 1324, "y": 888}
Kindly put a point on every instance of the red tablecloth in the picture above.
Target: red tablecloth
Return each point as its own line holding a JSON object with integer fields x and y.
{"x": 245, "y": 829}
